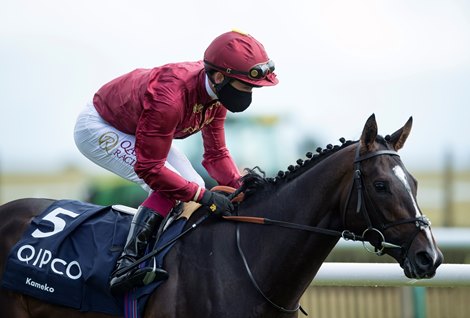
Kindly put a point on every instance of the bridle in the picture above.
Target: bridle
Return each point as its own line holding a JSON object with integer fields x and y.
{"x": 421, "y": 222}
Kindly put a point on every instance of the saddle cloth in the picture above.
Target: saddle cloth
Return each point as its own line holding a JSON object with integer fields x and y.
{"x": 67, "y": 254}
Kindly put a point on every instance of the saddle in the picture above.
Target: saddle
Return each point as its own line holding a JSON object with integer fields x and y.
{"x": 186, "y": 209}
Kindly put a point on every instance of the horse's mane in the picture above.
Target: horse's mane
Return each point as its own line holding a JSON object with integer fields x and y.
{"x": 255, "y": 179}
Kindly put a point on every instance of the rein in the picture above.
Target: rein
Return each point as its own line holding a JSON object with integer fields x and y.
{"x": 421, "y": 223}
{"x": 347, "y": 235}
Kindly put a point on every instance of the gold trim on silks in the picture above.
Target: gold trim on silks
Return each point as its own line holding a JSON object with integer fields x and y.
{"x": 207, "y": 122}
{"x": 197, "y": 127}
{"x": 197, "y": 108}
{"x": 190, "y": 130}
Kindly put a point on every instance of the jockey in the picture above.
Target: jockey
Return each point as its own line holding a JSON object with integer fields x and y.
{"x": 129, "y": 127}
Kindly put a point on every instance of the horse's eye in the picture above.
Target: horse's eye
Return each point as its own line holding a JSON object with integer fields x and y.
{"x": 381, "y": 186}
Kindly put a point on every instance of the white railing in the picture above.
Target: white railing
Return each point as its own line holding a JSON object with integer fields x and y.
{"x": 384, "y": 274}
{"x": 380, "y": 274}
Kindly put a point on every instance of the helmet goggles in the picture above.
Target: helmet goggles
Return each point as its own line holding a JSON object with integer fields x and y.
{"x": 256, "y": 72}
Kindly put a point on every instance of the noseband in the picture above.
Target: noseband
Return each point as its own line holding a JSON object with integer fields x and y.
{"x": 421, "y": 222}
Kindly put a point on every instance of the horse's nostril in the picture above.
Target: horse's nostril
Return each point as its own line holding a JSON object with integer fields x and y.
{"x": 424, "y": 259}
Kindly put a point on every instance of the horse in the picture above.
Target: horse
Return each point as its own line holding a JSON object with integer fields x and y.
{"x": 259, "y": 262}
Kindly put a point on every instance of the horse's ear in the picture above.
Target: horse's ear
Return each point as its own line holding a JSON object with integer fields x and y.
{"x": 369, "y": 133}
{"x": 398, "y": 138}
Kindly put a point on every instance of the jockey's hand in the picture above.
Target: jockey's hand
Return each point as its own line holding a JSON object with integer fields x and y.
{"x": 217, "y": 203}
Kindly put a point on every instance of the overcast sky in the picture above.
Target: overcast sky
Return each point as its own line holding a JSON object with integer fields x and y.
{"x": 337, "y": 61}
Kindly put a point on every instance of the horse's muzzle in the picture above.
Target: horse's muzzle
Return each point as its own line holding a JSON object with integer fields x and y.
{"x": 422, "y": 264}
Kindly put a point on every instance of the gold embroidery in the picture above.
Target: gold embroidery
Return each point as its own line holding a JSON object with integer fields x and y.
{"x": 197, "y": 108}
{"x": 197, "y": 127}
{"x": 190, "y": 129}
{"x": 208, "y": 121}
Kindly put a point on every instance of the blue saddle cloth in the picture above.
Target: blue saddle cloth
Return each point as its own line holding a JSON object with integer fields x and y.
{"x": 67, "y": 254}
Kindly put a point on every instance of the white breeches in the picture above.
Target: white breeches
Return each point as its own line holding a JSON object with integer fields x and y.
{"x": 114, "y": 150}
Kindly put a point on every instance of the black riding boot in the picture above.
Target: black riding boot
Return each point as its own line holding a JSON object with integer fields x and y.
{"x": 143, "y": 224}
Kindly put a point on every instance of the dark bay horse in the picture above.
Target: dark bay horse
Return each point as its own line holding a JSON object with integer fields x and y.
{"x": 359, "y": 190}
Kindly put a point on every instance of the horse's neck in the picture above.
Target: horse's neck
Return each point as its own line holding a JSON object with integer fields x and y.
{"x": 313, "y": 199}
{"x": 316, "y": 195}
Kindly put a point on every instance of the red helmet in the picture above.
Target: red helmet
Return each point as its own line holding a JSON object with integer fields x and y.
{"x": 240, "y": 56}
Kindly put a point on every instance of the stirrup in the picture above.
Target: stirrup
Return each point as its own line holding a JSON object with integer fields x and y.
{"x": 137, "y": 278}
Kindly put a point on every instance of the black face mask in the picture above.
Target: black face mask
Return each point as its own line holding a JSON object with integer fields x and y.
{"x": 234, "y": 100}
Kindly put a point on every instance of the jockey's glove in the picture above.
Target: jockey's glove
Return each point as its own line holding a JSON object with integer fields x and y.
{"x": 217, "y": 203}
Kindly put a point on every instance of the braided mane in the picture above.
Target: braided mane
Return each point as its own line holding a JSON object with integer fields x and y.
{"x": 254, "y": 181}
